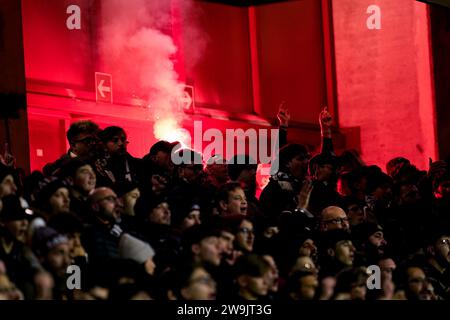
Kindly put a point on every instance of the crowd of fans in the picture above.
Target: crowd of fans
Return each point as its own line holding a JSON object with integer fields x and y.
{"x": 149, "y": 229}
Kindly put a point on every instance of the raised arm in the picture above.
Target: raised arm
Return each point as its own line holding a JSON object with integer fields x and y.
{"x": 325, "y": 121}
{"x": 283, "y": 118}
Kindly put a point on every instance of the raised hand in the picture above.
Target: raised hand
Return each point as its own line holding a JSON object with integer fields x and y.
{"x": 7, "y": 158}
{"x": 283, "y": 115}
{"x": 305, "y": 194}
{"x": 325, "y": 120}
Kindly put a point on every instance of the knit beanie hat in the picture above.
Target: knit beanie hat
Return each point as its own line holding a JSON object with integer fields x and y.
{"x": 45, "y": 239}
{"x": 134, "y": 249}
{"x": 290, "y": 151}
{"x": 322, "y": 159}
{"x": 70, "y": 168}
{"x": 363, "y": 231}
{"x": 181, "y": 207}
{"x": 330, "y": 238}
{"x": 108, "y": 133}
{"x": 197, "y": 233}
{"x": 48, "y": 189}
{"x": 66, "y": 223}
{"x": 15, "y": 208}
{"x": 122, "y": 188}
{"x": 162, "y": 145}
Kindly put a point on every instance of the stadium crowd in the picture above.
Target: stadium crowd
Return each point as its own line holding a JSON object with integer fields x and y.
{"x": 151, "y": 229}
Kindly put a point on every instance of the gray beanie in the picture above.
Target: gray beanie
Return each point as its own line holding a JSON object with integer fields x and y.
{"x": 134, "y": 249}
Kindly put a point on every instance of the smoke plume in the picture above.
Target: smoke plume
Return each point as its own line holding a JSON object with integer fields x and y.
{"x": 137, "y": 46}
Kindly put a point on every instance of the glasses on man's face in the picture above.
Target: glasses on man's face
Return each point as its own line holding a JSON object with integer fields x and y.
{"x": 337, "y": 221}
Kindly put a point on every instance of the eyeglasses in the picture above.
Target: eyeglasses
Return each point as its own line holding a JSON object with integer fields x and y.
{"x": 337, "y": 220}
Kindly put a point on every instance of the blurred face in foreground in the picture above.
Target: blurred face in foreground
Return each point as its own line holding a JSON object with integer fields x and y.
{"x": 17, "y": 229}
{"x": 201, "y": 286}
{"x": 58, "y": 259}
{"x": 7, "y": 186}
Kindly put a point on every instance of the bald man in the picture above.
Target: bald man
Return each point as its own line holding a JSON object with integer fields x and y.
{"x": 333, "y": 218}
{"x": 105, "y": 205}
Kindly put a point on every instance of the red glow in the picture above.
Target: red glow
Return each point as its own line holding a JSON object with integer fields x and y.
{"x": 168, "y": 129}
{"x": 263, "y": 56}
{"x": 383, "y": 79}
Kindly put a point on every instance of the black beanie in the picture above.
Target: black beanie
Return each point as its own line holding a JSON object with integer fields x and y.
{"x": 363, "y": 231}
{"x": 14, "y": 209}
{"x": 49, "y": 188}
{"x": 45, "y": 239}
{"x": 180, "y": 208}
{"x": 122, "y": 188}
{"x": 290, "y": 151}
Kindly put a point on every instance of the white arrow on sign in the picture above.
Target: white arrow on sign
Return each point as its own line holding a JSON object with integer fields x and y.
{"x": 102, "y": 88}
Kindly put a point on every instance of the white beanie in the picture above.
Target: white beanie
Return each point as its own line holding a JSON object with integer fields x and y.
{"x": 134, "y": 249}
